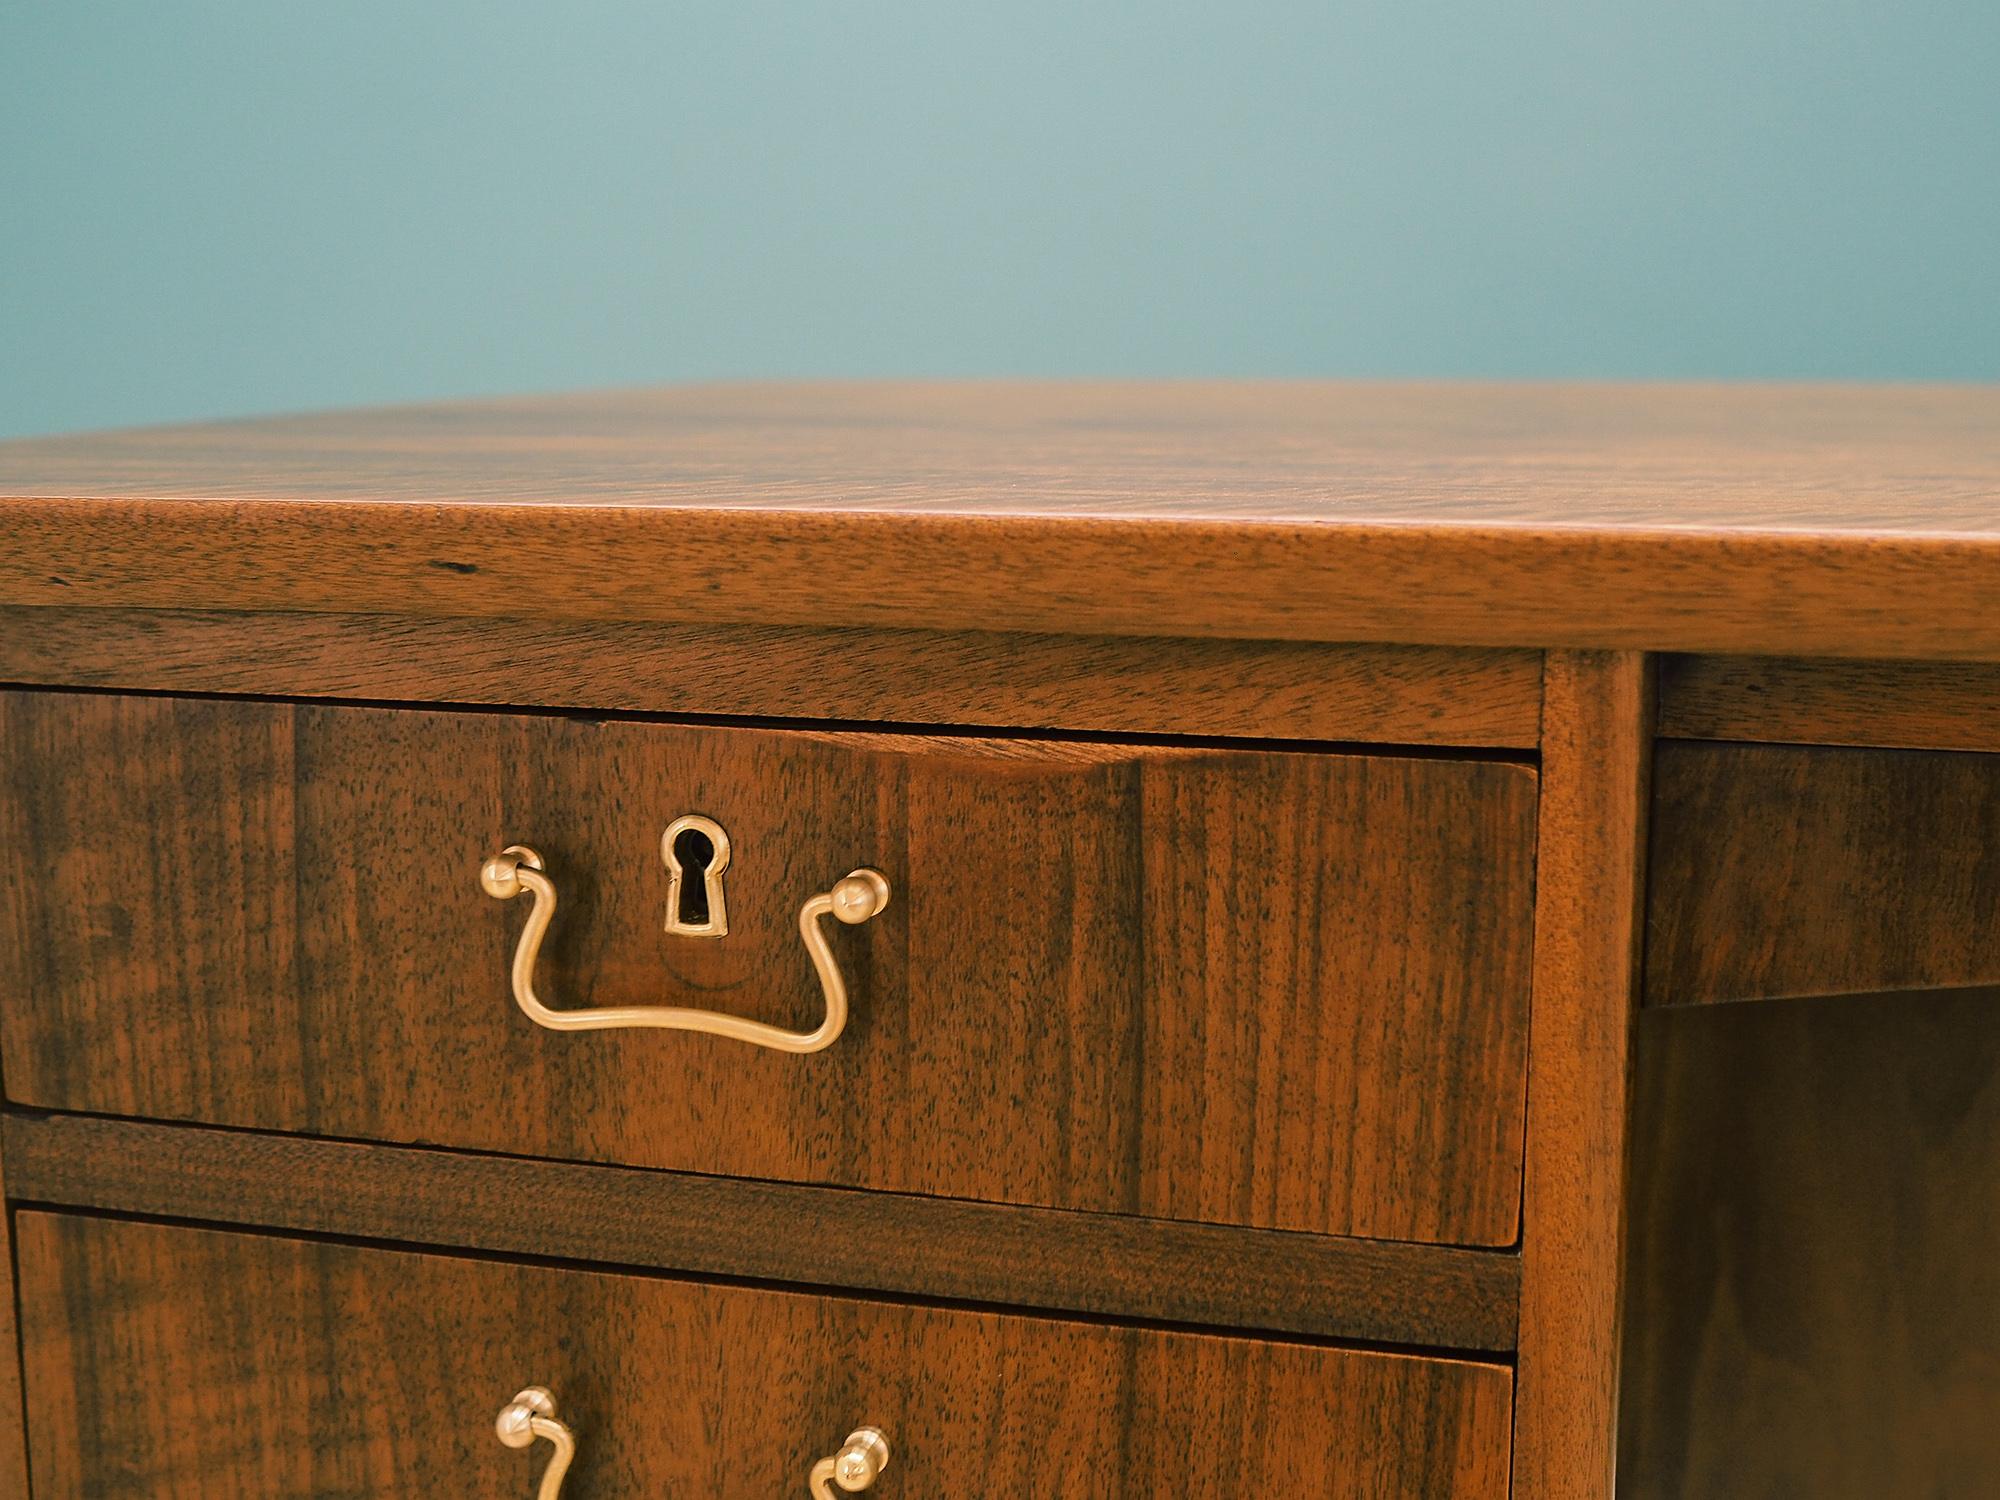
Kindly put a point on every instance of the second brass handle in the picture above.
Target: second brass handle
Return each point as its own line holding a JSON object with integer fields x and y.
{"x": 532, "y": 1414}
{"x": 854, "y": 898}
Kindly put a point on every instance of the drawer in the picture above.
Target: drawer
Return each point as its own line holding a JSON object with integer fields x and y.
{"x": 1236, "y": 985}
{"x": 1787, "y": 870}
{"x": 176, "y": 1362}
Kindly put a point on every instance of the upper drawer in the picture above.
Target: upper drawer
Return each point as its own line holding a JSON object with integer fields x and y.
{"x": 170, "y": 1363}
{"x": 1783, "y": 870}
{"x": 1236, "y": 985}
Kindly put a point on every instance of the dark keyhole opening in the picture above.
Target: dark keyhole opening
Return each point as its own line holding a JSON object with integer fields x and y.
{"x": 695, "y": 850}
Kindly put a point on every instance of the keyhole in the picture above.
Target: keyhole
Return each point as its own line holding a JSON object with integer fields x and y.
{"x": 695, "y": 850}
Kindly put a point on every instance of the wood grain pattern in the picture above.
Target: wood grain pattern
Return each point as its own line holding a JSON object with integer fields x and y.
{"x": 1227, "y": 985}
{"x": 1781, "y": 871}
{"x": 1104, "y": 1264}
{"x": 1267, "y": 689}
{"x": 1915, "y": 705}
{"x": 1815, "y": 1267}
{"x": 13, "y": 1432}
{"x": 1597, "y": 739}
{"x": 1836, "y": 521}
{"x": 1883, "y": 460}
{"x": 283, "y": 1368}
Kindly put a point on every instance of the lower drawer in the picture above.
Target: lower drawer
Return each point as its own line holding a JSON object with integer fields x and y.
{"x": 172, "y": 1362}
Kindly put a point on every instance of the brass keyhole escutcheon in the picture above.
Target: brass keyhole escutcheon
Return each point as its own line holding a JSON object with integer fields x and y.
{"x": 697, "y": 852}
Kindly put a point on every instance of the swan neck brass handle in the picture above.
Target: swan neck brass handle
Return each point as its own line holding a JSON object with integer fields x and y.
{"x": 853, "y": 899}
{"x": 857, "y": 1465}
{"x": 532, "y": 1414}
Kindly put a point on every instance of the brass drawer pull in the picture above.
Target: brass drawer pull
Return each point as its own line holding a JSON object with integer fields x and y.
{"x": 532, "y": 1414}
{"x": 857, "y": 1465}
{"x": 855, "y": 898}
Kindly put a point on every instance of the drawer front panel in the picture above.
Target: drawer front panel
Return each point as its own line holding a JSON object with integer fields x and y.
{"x": 1239, "y": 986}
{"x": 1782, "y": 871}
{"x": 174, "y": 1362}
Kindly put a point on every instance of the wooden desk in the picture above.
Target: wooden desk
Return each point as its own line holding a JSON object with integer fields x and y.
{"x": 1381, "y": 917}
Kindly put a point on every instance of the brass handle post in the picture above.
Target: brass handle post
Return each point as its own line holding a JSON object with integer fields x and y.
{"x": 857, "y": 1465}
{"x": 854, "y": 898}
{"x": 530, "y": 1415}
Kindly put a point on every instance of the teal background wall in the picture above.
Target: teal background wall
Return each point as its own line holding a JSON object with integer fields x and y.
{"x": 252, "y": 205}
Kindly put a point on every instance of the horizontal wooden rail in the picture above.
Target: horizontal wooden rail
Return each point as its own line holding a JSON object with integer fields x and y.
{"x": 1315, "y": 1285}
{"x": 1946, "y": 705}
{"x": 1415, "y": 695}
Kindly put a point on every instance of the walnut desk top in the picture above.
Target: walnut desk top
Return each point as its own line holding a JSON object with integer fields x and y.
{"x": 1779, "y": 520}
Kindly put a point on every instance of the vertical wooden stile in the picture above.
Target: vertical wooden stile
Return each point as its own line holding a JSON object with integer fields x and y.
{"x": 1597, "y": 734}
